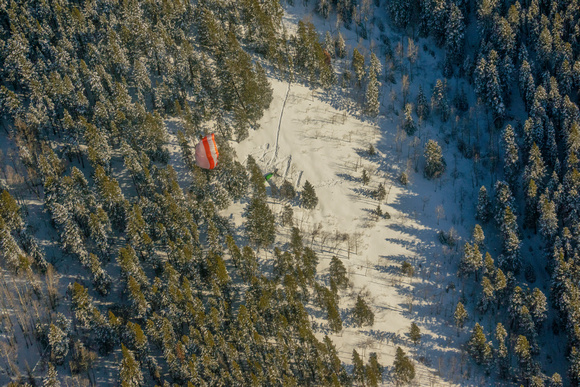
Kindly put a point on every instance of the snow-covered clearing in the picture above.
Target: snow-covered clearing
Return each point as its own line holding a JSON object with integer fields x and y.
{"x": 311, "y": 140}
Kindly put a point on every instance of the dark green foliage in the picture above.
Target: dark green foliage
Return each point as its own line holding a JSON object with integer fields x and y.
{"x": 381, "y": 192}
{"x": 309, "y": 198}
{"x": 407, "y": 269}
{"x": 362, "y": 314}
{"x": 374, "y": 371}
{"x": 365, "y": 177}
{"x": 478, "y": 347}
{"x": 483, "y": 210}
{"x": 358, "y": 371}
{"x": 338, "y": 274}
{"x": 422, "y": 106}
{"x": 88, "y": 93}
{"x": 460, "y": 315}
{"x": 287, "y": 190}
{"x": 287, "y": 216}
{"x": 404, "y": 369}
{"x": 403, "y": 178}
{"x": 415, "y": 333}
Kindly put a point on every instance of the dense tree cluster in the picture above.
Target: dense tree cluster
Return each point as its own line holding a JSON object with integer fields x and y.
{"x": 86, "y": 89}
{"x": 528, "y": 50}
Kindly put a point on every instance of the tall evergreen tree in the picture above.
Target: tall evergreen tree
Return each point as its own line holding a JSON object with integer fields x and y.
{"x": 403, "y": 368}
{"x": 434, "y": 162}
{"x": 510, "y": 156}
{"x": 483, "y": 210}
{"x": 372, "y": 103}
{"x": 309, "y": 198}
{"x": 478, "y": 347}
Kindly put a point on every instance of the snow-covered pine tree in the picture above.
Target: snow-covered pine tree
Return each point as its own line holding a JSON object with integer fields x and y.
{"x": 51, "y": 378}
{"x": 434, "y": 162}
{"x": 375, "y": 66}
{"x": 408, "y": 123}
{"x": 478, "y": 236}
{"x": 422, "y": 106}
{"x": 535, "y": 168}
{"x": 260, "y": 222}
{"x": 471, "y": 260}
{"x": 454, "y": 35}
{"x": 358, "y": 66}
{"x": 487, "y": 294}
{"x": 130, "y": 370}
{"x": 501, "y": 351}
{"x": 101, "y": 279}
{"x": 477, "y": 346}
{"x": 538, "y": 306}
{"x": 58, "y": 344}
{"x": 503, "y": 199}
{"x": 439, "y": 100}
{"x": 340, "y": 46}
{"x": 482, "y": 211}
{"x": 460, "y": 315}
{"x": 548, "y": 218}
{"x": 372, "y": 103}
{"x": 510, "y": 156}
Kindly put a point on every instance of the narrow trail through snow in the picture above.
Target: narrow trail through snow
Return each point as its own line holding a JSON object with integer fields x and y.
{"x": 280, "y": 125}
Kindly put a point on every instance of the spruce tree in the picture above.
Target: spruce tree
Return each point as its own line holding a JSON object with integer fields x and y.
{"x": 404, "y": 369}
{"x": 478, "y": 236}
{"x": 260, "y": 222}
{"x": 478, "y": 347}
{"x": 483, "y": 210}
{"x": 434, "y": 162}
{"x": 422, "y": 106}
{"x": 309, "y": 198}
{"x": 358, "y": 66}
{"x": 338, "y": 274}
{"x": 415, "y": 333}
{"x": 510, "y": 156}
{"x": 460, "y": 315}
{"x": 358, "y": 367}
{"x": 362, "y": 313}
{"x": 501, "y": 352}
{"x": 374, "y": 371}
{"x": 51, "y": 378}
{"x": 372, "y": 103}
{"x": 130, "y": 370}
{"x": 58, "y": 344}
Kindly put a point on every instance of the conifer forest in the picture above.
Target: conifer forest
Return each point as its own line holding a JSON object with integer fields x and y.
{"x": 124, "y": 263}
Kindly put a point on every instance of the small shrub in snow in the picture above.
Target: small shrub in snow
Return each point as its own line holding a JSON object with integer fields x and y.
{"x": 403, "y": 178}
{"x": 449, "y": 238}
{"x": 381, "y": 192}
{"x": 407, "y": 269}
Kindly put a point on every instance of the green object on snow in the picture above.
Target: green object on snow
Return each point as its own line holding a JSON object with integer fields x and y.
{"x": 268, "y": 176}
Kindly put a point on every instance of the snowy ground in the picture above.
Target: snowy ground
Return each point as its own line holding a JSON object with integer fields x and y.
{"x": 319, "y": 136}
